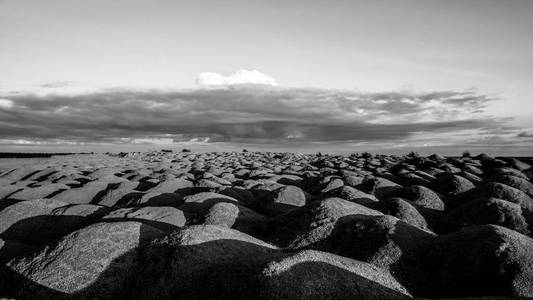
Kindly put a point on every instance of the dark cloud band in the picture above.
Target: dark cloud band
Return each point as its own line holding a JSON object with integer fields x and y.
{"x": 241, "y": 114}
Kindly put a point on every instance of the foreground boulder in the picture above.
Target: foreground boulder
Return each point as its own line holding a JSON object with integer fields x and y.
{"x": 162, "y": 217}
{"x": 234, "y": 216}
{"x": 312, "y": 223}
{"x": 402, "y": 210}
{"x": 93, "y": 262}
{"x": 354, "y": 195}
{"x": 384, "y": 241}
{"x": 122, "y": 194}
{"x": 453, "y": 184}
{"x": 383, "y": 188}
{"x": 20, "y": 173}
{"x": 488, "y": 211}
{"x": 43, "y": 191}
{"x": 88, "y": 193}
{"x": 7, "y": 190}
{"x": 425, "y": 197}
{"x": 10, "y": 249}
{"x": 38, "y": 221}
{"x": 480, "y": 260}
{"x": 200, "y": 202}
{"x": 518, "y": 183}
{"x": 282, "y": 200}
{"x": 321, "y": 275}
{"x": 166, "y": 193}
{"x": 495, "y": 190}
{"x": 199, "y": 262}
{"x": 216, "y": 262}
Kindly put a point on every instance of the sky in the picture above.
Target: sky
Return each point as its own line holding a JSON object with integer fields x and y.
{"x": 304, "y": 76}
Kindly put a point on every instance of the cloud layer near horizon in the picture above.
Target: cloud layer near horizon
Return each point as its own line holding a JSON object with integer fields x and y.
{"x": 243, "y": 114}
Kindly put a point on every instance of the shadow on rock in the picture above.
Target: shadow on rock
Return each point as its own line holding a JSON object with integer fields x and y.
{"x": 221, "y": 269}
{"x": 37, "y": 275}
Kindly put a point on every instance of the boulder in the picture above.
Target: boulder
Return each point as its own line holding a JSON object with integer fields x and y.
{"x": 498, "y": 172}
{"x": 95, "y": 262}
{"x": 44, "y": 191}
{"x": 234, "y": 216}
{"x": 21, "y": 173}
{"x": 122, "y": 194}
{"x": 322, "y": 275}
{"x": 200, "y": 202}
{"x": 89, "y": 193}
{"x": 517, "y": 182}
{"x": 423, "y": 196}
{"x": 331, "y": 185}
{"x": 354, "y": 195}
{"x": 495, "y": 190}
{"x": 166, "y": 193}
{"x": 10, "y": 249}
{"x": 312, "y": 223}
{"x": 199, "y": 262}
{"x": 33, "y": 222}
{"x": 283, "y": 200}
{"x": 487, "y": 210}
{"x": 401, "y": 209}
{"x": 480, "y": 260}
{"x": 7, "y": 190}
{"x": 386, "y": 242}
{"x": 452, "y": 184}
{"x": 383, "y": 188}
{"x": 162, "y": 217}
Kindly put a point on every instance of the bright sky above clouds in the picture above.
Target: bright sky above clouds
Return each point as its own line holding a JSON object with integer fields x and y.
{"x": 292, "y": 75}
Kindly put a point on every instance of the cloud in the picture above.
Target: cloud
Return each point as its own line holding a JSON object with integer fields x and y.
{"x": 211, "y": 79}
{"x": 57, "y": 84}
{"x": 246, "y": 114}
{"x": 6, "y": 103}
{"x": 525, "y": 134}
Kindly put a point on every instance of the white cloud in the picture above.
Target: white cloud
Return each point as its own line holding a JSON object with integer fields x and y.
{"x": 155, "y": 141}
{"x": 6, "y": 103}
{"x": 240, "y": 77}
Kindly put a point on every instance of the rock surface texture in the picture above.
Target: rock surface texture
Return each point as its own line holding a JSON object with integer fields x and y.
{"x": 264, "y": 225}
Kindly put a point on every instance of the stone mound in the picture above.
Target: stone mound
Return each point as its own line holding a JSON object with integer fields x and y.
{"x": 488, "y": 211}
{"x": 322, "y": 275}
{"x": 481, "y": 260}
{"x": 96, "y": 261}
{"x": 265, "y": 225}
{"x": 39, "y": 221}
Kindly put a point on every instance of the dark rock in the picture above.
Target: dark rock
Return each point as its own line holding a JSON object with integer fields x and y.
{"x": 200, "y": 202}
{"x": 312, "y": 223}
{"x": 516, "y": 182}
{"x": 488, "y": 211}
{"x": 83, "y": 195}
{"x": 495, "y": 190}
{"x": 425, "y": 197}
{"x": 30, "y": 193}
{"x": 283, "y": 200}
{"x": 200, "y": 262}
{"x": 162, "y": 217}
{"x": 96, "y": 261}
{"x": 354, "y": 195}
{"x": 402, "y": 210}
{"x": 234, "y": 216}
{"x": 166, "y": 193}
{"x": 480, "y": 260}
{"x": 321, "y": 275}
{"x": 453, "y": 185}
{"x": 386, "y": 242}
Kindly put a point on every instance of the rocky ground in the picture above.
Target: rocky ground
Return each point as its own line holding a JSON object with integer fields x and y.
{"x": 165, "y": 225}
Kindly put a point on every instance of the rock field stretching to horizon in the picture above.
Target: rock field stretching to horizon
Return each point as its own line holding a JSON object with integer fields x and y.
{"x": 262, "y": 225}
